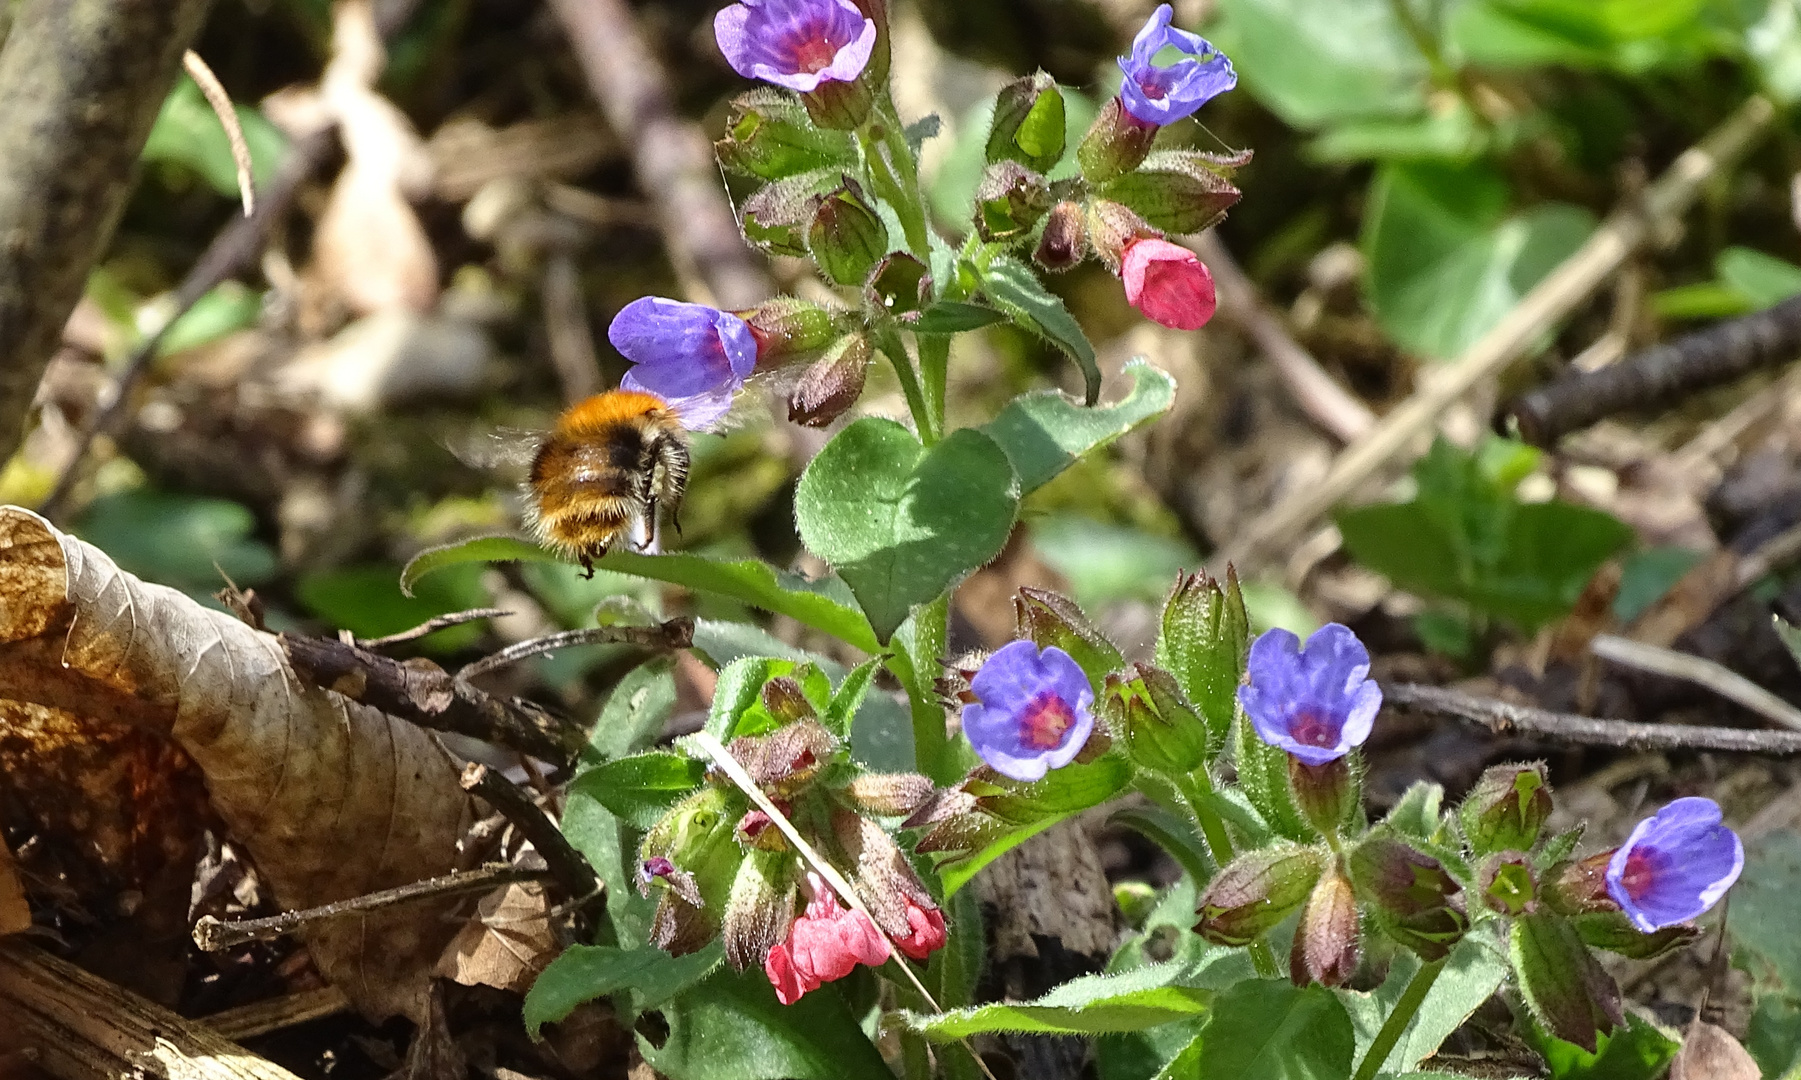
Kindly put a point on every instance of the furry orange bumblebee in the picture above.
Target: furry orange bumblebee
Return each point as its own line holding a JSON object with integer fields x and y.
{"x": 610, "y": 463}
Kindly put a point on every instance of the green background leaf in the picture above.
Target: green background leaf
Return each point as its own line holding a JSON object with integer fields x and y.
{"x": 730, "y": 1027}
{"x": 581, "y": 973}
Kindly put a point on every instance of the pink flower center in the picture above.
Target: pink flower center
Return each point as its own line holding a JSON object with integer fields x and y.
{"x": 814, "y": 54}
{"x": 1312, "y": 729}
{"x": 1046, "y": 720}
{"x": 1637, "y": 877}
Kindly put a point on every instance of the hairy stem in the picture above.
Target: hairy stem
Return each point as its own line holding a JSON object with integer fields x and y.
{"x": 934, "y": 370}
{"x": 895, "y": 175}
{"x": 1397, "y": 1021}
{"x": 1197, "y": 789}
{"x": 928, "y": 422}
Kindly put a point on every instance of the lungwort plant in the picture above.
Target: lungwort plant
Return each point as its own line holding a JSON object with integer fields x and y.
{"x": 786, "y": 889}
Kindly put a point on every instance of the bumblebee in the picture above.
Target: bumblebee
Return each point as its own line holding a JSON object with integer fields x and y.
{"x": 607, "y": 467}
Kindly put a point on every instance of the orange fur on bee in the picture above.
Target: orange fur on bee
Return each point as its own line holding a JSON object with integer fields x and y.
{"x": 610, "y": 462}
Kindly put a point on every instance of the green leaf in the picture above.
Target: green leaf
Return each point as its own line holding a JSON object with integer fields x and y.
{"x": 640, "y": 789}
{"x": 187, "y": 133}
{"x": 738, "y": 708}
{"x": 1763, "y": 280}
{"x": 848, "y": 698}
{"x": 582, "y": 973}
{"x": 226, "y": 307}
{"x": 1133, "y": 1001}
{"x": 1790, "y": 635}
{"x": 1020, "y": 811}
{"x": 365, "y": 601}
{"x": 177, "y": 540}
{"x": 1445, "y": 264}
{"x": 901, "y": 523}
{"x": 1319, "y": 62}
{"x": 821, "y": 604}
{"x": 730, "y": 1027}
{"x": 1647, "y": 575}
{"x": 1637, "y": 1051}
{"x": 1204, "y": 640}
{"x": 1766, "y": 905}
{"x": 1012, "y": 287}
{"x": 1472, "y": 973}
{"x": 1045, "y": 431}
{"x": 1268, "y": 1030}
{"x": 636, "y": 710}
{"x": 1455, "y": 134}
{"x": 954, "y": 317}
{"x": 1774, "y": 1038}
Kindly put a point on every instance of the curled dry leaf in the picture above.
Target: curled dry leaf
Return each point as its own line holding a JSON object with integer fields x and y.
{"x": 331, "y": 799}
{"x": 507, "y": 945}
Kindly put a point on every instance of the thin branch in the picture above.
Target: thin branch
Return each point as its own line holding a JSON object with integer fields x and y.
{"x": 1539, "y": 310}
{"x": 1503, "y": 718}
{"x": 1772, "y": 554}
{"x": 663, "y": 637}
{"x": 80, "y": 85}
{"x": 277, "y": 1014}
{"x": 673, "y": 159}
{"x": 1330, "y": 405}
{"x": 1663, "y": 374}
{"x": 215, "y": 95}
{"x": 431, "y": 626}
{"x": 420, "y": 692}
{"x": 212, "y": 934}
{"x": 1702, "y": 672}
{"x": 567, "y": 866}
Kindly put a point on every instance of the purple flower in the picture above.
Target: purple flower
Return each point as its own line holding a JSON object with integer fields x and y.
{"x": 1317, "y": 702}
{"x": 1675, "y": 865}
{"x": 1032, "y": 711}
{"x": 1155, "y": 94}
{"x": 690, "y": 355}
{"x": 796, "y": 43}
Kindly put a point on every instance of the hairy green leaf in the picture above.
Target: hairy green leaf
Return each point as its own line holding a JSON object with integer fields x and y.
{"x": 640, "y": 789}
{"x": 582, "y": 973}
{"x": 1045, "y": 431}
{"x": 1016, "y": 290}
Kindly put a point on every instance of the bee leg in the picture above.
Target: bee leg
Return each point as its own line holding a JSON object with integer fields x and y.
{"x": 588, "y": 566}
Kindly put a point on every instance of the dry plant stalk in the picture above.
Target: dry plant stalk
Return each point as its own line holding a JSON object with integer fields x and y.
{"x": 332, "y": 799}
{"x": 215, "y": 94}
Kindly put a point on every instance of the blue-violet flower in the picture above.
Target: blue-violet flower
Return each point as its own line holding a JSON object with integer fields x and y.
{"x": 1675, "y": 865}
{"x": 796, "y": 43}
{"x": 1033, "y": 710}
{"x": 1317, "y": 702}
{"x": 690, "y": 355}
{"x": 1157, "y": 94}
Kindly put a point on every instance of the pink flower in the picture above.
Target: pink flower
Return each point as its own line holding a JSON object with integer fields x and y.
{"x": 825, "y": 944}
{"x": 1168, "y": 284}
{"x": 925, "y": 931}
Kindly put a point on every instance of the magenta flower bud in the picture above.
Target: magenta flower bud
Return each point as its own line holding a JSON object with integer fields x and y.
{"x": 799, "y": 44}
{"x": 1675, "y": 865}
{"x": 1326, "y": 941}
{"x": 1032, "y": 711}
{"x": 1168, "y": 284}
{"x": 690, "y": 355}
{"x": 1318, "y": 702}
{"x": 825, "y": 944}
{"x": 1064, "y": 242}
{"x": 1255, "y": 891}
{"x": 1163, "y": 94}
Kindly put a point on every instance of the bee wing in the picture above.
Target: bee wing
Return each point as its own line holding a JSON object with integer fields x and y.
{"x": 502, "y": 448}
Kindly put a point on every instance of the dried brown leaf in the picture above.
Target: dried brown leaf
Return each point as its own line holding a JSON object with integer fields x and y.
{"x": 508, "y": 945}
{"x": 331, "y": 799}
{"x": 1711, "y": 1053}
{"x": 15, "y": 914}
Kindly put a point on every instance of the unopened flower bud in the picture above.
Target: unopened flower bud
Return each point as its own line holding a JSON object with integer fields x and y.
{"x": 1506, "y": 809}
{"x": 1564, "y": 986}
{"x": 832, "y": 384}
{"x": 1415, "y": 899}
{"x": 769, "y": 135}
{"x": 1028, "y": 123}
{"x": 758, "y": 830}
{"x": 1112, "y": 228}
{"x": 1204, "y": 635}
{"x": 845, "y": 237}
{"x": 787, "y": 759}
{"x": 787, "y": 329}
{"x": 783, "y": 698}
{"x": 1116, "y": 143}
{"x": 1578, "y": 887}
{"x": 888, "y": 794}
{"x": 691, "y": 859}
{"x": 1160, "y": 730}
{"x": 1326, "y": 941}
{"x": 1064, "y": 242}
{"x": 760, "y": 906}
{"x": 1010, "y": 200}
{"x": 1048, "y": 619}
{"x": 1506, "y": 883}
{"x": 1255, "y": 891}
{"x": 1326, "y": 795}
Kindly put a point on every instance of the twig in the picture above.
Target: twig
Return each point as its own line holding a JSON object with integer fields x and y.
{"x": 227, "y": 113}
{"x": 1702, "y": 672}
{"x": 80, "y": 84}
{"x": 212, "y": 934}
{"x": 431, "y": 626}
{"x": 277, "y": 1014}
{"x": 567, "y": 866}
{"x": 566, "y": 326}
{"x": 1504, "y": 718}
{"x": 1773, "y": 553}
{"x": 668, "y": 636}
{"x": 1663, "y": 374}
{"x": 673, "y": 159}
{"x": 232, "y": 251}
{"x": 82, "y": 1027}
{"x": 420, "y": 692}
{"x": 1330, "y": 405}
{"x": 1547, "y": 302}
